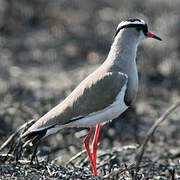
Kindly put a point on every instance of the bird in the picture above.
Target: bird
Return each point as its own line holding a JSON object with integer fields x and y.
{"x": 103, "y": 95}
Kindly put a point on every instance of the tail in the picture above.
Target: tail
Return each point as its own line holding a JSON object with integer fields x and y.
{"x": 35, "y": 136}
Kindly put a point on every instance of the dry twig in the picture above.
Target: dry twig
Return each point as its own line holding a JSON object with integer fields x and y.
{"x": 16, "y": 133}
{"x": 15, "y": 143}
{"x": 151, "y": 132}
{"x": 76, "y": 156}
{"x": 114, "y": 173}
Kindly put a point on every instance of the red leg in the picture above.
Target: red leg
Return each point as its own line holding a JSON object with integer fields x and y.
{"x": 95, "y": 141}
{"x": 86, "y": 144}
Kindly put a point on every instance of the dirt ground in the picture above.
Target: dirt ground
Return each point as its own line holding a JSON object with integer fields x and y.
{"x": 48, "y": 47}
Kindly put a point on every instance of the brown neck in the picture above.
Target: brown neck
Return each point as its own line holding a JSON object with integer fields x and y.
{"x": 122, "y": 58}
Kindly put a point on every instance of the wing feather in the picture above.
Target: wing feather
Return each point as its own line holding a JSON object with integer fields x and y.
{"x": 93, "y": 94}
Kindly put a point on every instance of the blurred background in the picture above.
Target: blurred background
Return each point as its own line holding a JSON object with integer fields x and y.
{"x": 48, "y": 46}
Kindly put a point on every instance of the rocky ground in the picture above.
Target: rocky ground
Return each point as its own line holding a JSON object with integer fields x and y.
{"x": 48, "y": 47}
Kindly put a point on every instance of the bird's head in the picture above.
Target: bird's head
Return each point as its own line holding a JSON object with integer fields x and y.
{"x": 136, "y": 28}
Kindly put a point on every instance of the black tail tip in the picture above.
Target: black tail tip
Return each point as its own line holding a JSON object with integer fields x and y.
{"x": 34, "y": 136}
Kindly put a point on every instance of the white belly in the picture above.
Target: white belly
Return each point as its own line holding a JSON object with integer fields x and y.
{"x": 109, "y": 113}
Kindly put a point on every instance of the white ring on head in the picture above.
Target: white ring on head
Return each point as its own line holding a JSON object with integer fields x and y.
{"x": 129, "y": 22}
